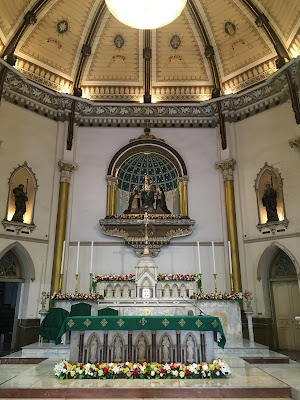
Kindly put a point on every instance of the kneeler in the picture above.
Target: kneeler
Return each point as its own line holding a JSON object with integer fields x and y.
{"x": 52, "y": 323}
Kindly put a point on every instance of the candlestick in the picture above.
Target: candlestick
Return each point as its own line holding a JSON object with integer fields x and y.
{"x": 213, "y": 255}
{"x": 77, "y": 262}
{"x": 230, "y": 259}
{"x": 76, "y": 283}
{"x": 215, "y": 279}
{"x": 91, "y": 281}
{"x": 62, "y": 258}
{"x": 199, "y": 260}
{"x": 231, "y": 283}
{"x": 60, "y": 282}
{"x": 92, "y": 249}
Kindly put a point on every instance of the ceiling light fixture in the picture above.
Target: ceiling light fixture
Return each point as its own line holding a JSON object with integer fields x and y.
{"x": 146, "y": 14}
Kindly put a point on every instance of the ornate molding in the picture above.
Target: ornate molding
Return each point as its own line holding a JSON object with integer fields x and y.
{"x": 20, "y": 91}
{"x": 66, "y": 169}
{"x": 274, "y": 226}
{"x": 226, "y": 168}
{"x": 295, "y": 143}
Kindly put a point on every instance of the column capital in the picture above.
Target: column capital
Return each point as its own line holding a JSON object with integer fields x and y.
{"x": 226, "y": 168}
{"x": 295, "y": 142}
{"x": 66, "y": 169}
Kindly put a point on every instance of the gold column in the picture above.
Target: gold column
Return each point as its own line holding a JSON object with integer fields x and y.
{"x": 227, "y": 170}
{"x": 185, "y": 196}
{"x": 180, "y": 189}
{"x": 61, "y": 221}
{"x": 114, "y": 183}
{"x": 108, "y": 196}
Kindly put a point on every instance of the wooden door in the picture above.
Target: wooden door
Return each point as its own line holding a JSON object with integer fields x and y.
{"x": 286, "y": 306}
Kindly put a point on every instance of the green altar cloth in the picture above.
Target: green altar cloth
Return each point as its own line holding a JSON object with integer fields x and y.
{"x": 138, "y": 323}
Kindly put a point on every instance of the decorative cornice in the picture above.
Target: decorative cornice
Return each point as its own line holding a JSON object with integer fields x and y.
{"x": 295, "y": 143}
{"x": 20, "y": 91}
{"x": 226, "y": 168}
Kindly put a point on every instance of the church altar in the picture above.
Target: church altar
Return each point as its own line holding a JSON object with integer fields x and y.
{"x": 139, "y": 339}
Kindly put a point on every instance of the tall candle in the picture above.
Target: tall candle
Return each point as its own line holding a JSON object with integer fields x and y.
{"x": 230, "y": 259}
{"x": 199, "y": 260}
{"x": 213, "y": 255}
{"x": 62, "y": 258}
{"x": 77, "y": 263}
{"x": 92, "y": 248}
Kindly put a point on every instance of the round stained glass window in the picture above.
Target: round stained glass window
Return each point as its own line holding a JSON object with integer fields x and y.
{"x": 161, "y": 170}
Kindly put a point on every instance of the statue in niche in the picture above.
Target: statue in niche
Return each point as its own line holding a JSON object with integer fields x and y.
{"x": 166, "y": 347}
{"x": 148, "y": 194}
{"x": 93, "y": 350}
{"x": 118, "y": 349}
{"x": 269, "y": 201}
{"x": 20, "y": 203}
{"x": 134, "y": 201}
{"x": 161, "y": 205}
{"x": 190, "y": 347}
{"x": 141, "y": 349}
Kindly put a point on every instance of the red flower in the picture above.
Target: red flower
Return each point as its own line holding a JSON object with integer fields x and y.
{"x": 135, "y": 371}
{"x": 187, "y": 371}
{"x": 105, "y": 370}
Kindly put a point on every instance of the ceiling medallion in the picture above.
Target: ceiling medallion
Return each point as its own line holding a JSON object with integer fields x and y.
{"x": 62, "y": 26}
{"x": 146, "y": 14}
{"x": 119, "y": 41}
{"x": 175, "y": 42}
{"x": 230, "y": 28}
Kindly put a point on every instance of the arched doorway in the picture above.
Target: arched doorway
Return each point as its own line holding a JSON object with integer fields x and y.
{"x": 11, "y": 277}
{"x": 285, "y": 301}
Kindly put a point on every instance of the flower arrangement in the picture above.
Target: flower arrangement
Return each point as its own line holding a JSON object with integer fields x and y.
{"x": 217, "y": 369}
{"x": 150, "y": 216}
{"x": 177, "y": 277}
{"x": 110, "y": 277}
{"x": 217, "y": 296}
{"x": 76, "y": 296}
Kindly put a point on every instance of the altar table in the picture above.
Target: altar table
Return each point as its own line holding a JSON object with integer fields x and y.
{"x": 180, "y": 331}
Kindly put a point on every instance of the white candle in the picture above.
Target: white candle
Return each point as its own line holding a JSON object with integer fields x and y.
{"x": 199, "y": 260}
{"x": 77, "y": 263}
{"x": 213, "y": 256}
{"x": 230, "y": 259}
{"x": 62, "y": 258}
{"x": 92, "y": 248}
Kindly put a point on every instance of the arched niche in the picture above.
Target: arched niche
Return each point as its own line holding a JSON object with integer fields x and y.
{"x": 21, "y": 199}
{"x": 270, "y": 199}
{"x": 119, "y": 190}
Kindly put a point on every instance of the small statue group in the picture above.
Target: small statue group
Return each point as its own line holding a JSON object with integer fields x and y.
{"x": 20, "y": 203}
{"x": 142, "y": 200}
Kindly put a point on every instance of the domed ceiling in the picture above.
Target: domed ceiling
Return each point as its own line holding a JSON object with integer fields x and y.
{"x": 79, "y": 44}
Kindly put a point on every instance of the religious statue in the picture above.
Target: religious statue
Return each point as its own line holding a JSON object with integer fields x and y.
{"x": 93, "y": 350}
{"x": 43, "y": 302}
{"x": 141, "y": 350}
{"x": 134, "y": 201}
{"x": 148, "y": 194}
{"x": 166, "y": 346}
{"x": 118, "y": 349}
{"x": 161, "y": 205}
{"x": 269, "y": 201}
{"x": 190, "y": 350}
{"x": 20, "y": 203}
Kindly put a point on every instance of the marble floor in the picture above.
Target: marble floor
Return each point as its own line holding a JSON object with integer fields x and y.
{"x": 247, "y": 380}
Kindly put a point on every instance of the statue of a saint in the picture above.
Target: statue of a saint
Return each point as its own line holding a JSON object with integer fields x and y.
{"x": 134, "y": 201}
{"x": 190, "y": 350}
{"x": 269, "y": 201}
{"x": 118, "y": 349}
{"x": 161, "y": 205}
{"x": 141, "y": 350}
{"x": 148, "y": 194}
{"x": 20, "y": 203}
{"x": 166, "y": 345}
{"x": 93, "y": 350}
